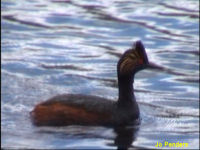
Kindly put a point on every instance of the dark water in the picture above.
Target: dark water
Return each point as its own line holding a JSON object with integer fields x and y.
{"x": 70, "y": 46}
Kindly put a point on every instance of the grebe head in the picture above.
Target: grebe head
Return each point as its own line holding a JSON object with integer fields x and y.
{"x": 132, "y": 60}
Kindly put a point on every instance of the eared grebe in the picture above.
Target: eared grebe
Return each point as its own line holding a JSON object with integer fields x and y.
{"x": 73, "y": 109}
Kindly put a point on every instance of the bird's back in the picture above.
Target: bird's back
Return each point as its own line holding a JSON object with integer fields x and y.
{"x": 70, "y": 109}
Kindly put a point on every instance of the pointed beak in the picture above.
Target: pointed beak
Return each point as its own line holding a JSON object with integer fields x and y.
{"x": 146, "y": 64}
{"x": 151, "y": 65}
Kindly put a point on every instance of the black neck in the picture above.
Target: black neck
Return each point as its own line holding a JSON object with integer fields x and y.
{"x": 126, "y": 90}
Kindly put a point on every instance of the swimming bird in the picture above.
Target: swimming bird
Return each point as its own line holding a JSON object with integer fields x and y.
{"x": 79, "y": 109}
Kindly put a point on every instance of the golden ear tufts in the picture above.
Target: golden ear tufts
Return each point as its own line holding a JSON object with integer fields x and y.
{"x": 128, "y": 62}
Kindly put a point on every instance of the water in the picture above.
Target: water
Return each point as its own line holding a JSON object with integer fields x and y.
{"x": 70, "y": 46}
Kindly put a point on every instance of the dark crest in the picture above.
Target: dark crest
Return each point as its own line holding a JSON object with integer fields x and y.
{"x": 133, "y": 59}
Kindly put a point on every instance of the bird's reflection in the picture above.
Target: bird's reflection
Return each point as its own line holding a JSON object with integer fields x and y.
{"x": 125, "y": 137}
{"x": 121, "y": 137}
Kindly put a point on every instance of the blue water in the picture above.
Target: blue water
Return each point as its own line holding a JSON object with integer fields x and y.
{"x": 69, "y": 46}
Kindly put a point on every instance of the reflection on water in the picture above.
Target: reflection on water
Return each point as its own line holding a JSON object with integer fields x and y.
{"x": 69, "y": 46}
{"x": 125, "y": 137}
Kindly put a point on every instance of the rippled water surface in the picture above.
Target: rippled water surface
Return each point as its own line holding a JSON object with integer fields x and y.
{"x": 71, "y": 46}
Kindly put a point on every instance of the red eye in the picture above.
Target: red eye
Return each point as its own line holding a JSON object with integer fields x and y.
{"x": 140, "y": 61}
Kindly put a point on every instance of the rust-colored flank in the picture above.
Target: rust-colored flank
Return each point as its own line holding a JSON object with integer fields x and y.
{"x": 58, "y": 114}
